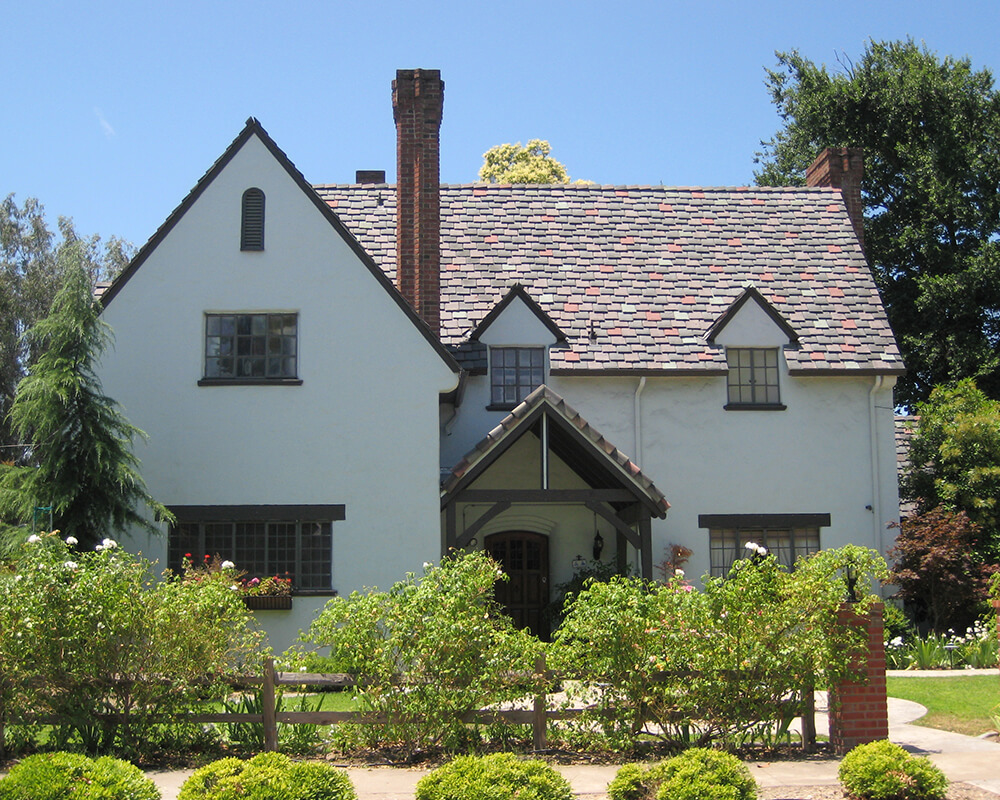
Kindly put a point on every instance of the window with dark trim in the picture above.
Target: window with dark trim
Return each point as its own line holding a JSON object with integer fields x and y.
{"x": 252, "y": 220}
{"x": 515, "y": 372}
{"x": 753, "y": 378}
{"x": 786, "y": 536}
{"x": 251, "y": 347}
{"x": 295, "y": 549}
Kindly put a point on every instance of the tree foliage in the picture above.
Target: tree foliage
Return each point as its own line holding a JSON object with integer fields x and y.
{"x": 80, "y": 461}
{"x": 32, "y": 263}
{"x": 954, "y": 460}
{"x": 514, "y": 163}
{"x": 936, "y": 568}
{"x": 930, "y": 129}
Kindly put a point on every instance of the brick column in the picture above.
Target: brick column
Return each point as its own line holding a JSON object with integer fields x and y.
{"x": 996, "y": 610}
{"x": 859, "y": 711}
{"x": 842, "y": 168}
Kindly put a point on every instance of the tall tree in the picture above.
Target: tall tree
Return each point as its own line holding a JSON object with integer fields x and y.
{"x": 80, "y": 456}
{"x": 514, "y": 163}
{"x": 32, "y": 261}
{"x": 954, "y": 461}
{"x": 930, "y": 129}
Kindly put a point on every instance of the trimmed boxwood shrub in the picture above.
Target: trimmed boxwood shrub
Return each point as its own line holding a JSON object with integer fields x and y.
{"x": 693, "y": 775}
{"x": 494, "y": 777}
{"x": 268, "y": 776}
{"x": 61, "y": 776}
{"x": 885, "y": 771}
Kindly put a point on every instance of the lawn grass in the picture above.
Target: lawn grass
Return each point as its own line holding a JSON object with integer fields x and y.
{"x": 962, "y": 704}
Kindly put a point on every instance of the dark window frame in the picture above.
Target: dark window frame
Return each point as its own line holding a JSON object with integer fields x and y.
{"x": 258, "y": 536}
{"x": 752, "y": 380}
{"x": 252, "y": 220}
{"x": 787, "y": 536}
{"x": 244, "y": 348}
{"x": 515, "y": 372}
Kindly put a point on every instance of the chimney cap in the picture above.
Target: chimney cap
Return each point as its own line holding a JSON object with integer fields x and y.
{"x": 369, "y": 176}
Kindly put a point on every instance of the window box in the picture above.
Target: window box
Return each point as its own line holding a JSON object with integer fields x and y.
{"x": 265, "y": 603}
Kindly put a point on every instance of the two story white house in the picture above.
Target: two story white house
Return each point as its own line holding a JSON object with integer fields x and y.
{"x": 341, "y": 382}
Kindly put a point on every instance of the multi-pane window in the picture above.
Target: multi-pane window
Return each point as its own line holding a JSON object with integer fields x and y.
{"x": 753, "y": 376}
{"x": 300, "y": 550}
{"x": 252, "y": 220}
{"x": 250, "y": 346}
{"x": 786, "y": 544}
{"x": 514, "y": 373}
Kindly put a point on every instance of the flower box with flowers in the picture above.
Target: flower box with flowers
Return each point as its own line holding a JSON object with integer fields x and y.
{"x": 259, "y": 594}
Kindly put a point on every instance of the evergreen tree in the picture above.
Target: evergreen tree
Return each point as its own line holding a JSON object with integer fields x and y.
{"x": 930, "y": 130}
{"x": 79, "y": 458}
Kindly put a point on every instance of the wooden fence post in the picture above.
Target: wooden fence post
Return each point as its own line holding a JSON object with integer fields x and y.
{"x": 538, "y": 719}
{"x": 269, "y": 709}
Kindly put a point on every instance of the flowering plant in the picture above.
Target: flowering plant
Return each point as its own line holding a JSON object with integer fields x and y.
{"x": 212, "y": 566}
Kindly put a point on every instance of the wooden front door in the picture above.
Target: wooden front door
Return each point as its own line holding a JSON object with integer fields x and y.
{"x": 524, "y": 557}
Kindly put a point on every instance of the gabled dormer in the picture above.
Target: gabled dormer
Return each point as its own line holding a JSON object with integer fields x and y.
{"x": 518, "y": 335}
{"x": 754, "y": 335}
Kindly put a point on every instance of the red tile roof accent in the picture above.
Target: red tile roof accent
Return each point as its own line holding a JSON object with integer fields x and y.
{"x": 627, "y": 240}
{"x": 593, "y": 290}
{"x": 734, "y": 242}
{"x": 666, "y": 207}
{"x": 673, "y": 247}
{"x": 833, "y": 248}
{"x": 836, "y": 291}
{"x": 607, "y": 268}
{"x": 653, "y": 316}
{"x": 571, "y": 308}
{"x": 492, "y": 239}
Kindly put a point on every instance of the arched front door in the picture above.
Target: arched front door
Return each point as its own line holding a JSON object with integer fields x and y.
{"x": 525, "y": 558}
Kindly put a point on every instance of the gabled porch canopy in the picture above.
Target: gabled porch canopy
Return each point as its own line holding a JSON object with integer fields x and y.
{"x": 618, "y": 490}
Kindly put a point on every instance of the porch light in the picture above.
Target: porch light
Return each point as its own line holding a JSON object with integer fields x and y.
{"x": 598, "y": 546}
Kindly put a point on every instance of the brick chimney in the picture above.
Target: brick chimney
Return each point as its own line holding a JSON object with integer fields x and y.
{"x": 417, "y": 103}
{"x": 842, "y": 168}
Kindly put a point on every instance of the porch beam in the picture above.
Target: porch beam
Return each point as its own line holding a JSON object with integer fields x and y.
{"x": 450, "y": 528}
{"x": 475, "y": 527}
{"x": 544, "y": 496}
{"x": 614, "y": 519}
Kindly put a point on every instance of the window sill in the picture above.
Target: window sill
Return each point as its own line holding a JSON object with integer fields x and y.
{"x": 754, "y": 407}
{"x": 250, "y": 382}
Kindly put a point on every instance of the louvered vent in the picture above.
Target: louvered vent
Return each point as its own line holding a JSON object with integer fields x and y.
{"x": 252, "y": 230}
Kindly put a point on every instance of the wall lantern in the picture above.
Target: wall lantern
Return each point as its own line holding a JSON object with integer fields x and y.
{"x": 598, "y": 546}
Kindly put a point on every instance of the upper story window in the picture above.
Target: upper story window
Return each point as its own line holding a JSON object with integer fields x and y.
{"x": 252, "y": 220}
{"x": 753, "y": 378}
{"x": 514, "y": 373}
{"x": 251, "y": 347}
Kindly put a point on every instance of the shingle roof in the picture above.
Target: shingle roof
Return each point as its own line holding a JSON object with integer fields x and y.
{"x": 636, "y": 275}
{"x": 511, "y": 426}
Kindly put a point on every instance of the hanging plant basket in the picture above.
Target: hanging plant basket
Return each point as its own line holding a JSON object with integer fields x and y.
{"x": 265, "y": 603}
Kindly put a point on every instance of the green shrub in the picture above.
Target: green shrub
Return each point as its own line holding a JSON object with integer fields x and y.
{"x": 268, "y": 776}
{"x": 885, "y": 771}
{"x": 429, "y": 651}
{"x": 60, "y": 776}
{"x": 699, "y": 773}
{"x": 636, "y": 781}
{"x": 495, "y": 777}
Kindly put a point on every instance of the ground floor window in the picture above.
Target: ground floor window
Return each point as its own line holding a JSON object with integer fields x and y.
{"x": 260, "y": 543}
{"x": 786, "y": 536}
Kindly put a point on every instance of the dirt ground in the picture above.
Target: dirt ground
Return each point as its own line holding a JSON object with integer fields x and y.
{"x": 956, "y": 791}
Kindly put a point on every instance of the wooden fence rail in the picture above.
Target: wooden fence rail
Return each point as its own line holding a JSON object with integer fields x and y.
{"x": 538, "y": 716}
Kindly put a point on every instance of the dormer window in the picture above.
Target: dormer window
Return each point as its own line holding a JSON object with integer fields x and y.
{"x": 753, "y": 378}
{"x": 515, "y": 372}
{"x": 252, "y": 224}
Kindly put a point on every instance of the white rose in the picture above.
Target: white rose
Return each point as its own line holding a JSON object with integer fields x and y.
{"x": 72, "y": 541}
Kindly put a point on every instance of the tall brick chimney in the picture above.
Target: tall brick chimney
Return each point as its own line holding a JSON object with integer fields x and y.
{"x": 417, "y": 103}
{"x": 842, "y": 168}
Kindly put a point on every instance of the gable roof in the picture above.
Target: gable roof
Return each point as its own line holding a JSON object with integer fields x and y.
{"x": 517, "y": 292}
{"x": 751, "y": 294}
{"x": 250, "y": 129}
{"x": 648, "y": 269}
{"x": 579, "y": 442}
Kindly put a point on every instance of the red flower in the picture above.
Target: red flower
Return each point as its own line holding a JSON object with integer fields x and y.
{"x": 187, "y": 555}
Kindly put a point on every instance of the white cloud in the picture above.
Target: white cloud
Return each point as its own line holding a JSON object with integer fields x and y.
{"x": 105, "y": 125}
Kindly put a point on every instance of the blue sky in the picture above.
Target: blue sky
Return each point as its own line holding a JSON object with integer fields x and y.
{"x": 113, "y": 110}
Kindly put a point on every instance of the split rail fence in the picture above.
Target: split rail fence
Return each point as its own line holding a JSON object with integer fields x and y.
{"x": 538, "y": 716}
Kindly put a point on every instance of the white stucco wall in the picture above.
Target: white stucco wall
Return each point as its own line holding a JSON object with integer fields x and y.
{"x": 816, "y": 456}
{"x": 362, "y": 428}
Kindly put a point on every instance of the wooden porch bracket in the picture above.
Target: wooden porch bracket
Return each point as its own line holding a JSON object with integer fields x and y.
{"x": 467, "y": 535}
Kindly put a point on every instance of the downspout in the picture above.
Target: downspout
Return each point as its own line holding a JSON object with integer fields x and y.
{"x": 876, "y": 507}
{"x": 637, "y": 413}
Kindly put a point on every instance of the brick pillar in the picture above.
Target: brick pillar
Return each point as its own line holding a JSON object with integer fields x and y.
{"x": 417, "y": 105}
{"x": 996, "y": 610}
{"x": 842, "y": 168}
{"x": 859, "y": 711}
